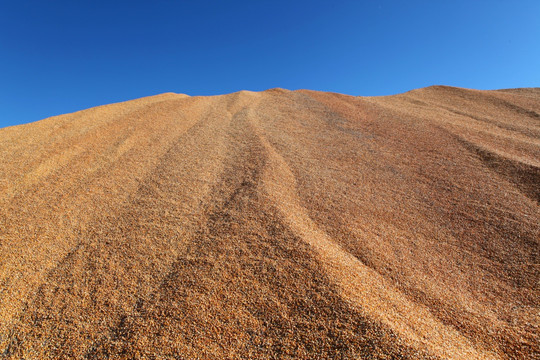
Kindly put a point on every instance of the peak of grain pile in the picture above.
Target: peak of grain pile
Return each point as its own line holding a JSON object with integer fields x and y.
{"x": 281, "y": 224}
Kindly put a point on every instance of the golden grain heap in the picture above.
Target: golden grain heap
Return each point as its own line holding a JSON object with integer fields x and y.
{"x": 280, "y": 224}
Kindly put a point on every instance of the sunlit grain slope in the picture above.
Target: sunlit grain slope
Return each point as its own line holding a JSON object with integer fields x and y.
{"x": 279, "y": 224}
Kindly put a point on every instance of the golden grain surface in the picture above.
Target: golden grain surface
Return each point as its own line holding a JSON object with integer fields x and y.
{"x": 275, "y": 225}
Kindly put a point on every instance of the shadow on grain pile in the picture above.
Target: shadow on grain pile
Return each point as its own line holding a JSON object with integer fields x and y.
{"x": 274, "y": 225}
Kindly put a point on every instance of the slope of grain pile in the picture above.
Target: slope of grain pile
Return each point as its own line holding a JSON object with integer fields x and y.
{"x": 275, "y": 225}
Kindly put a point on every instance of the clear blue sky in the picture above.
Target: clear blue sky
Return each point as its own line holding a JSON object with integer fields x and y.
{"x": 63, "y": 56}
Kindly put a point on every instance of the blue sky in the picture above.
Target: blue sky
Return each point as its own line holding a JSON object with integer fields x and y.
{"x": 62, "y": 56}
